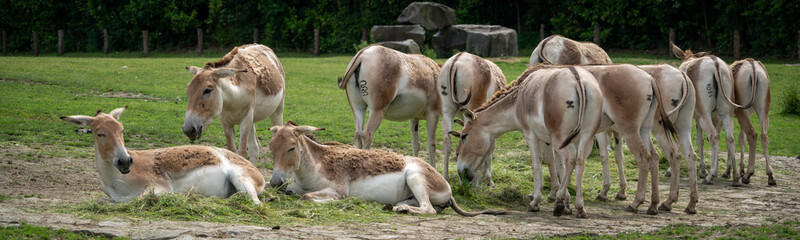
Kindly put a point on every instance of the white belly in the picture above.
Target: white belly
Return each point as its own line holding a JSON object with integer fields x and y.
{"x": 266, "y": 105}
{"x": 406, "y": 106}
{"x": 208, "y": 181}
{"x": 386, "y": 189}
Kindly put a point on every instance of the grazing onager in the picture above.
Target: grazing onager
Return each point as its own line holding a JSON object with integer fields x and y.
{"x": 557, "y": 49}
{"x": 244, "y": 87}
{"x": 395, "y": 86}
{"x": 333, "y": 171}
{"x": 562, "y": 107}
{"x": 714, "y": 89}
{"x": 466, "y": 81}
{"x": 751, "y": 87}
{"x": 127, "y": 174}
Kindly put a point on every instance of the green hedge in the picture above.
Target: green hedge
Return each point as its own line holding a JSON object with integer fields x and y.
{"x": 767, "y": 26}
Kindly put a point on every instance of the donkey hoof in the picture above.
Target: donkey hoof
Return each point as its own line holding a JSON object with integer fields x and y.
{"x": 726, "y": 175}
{"x": 631, "y": 209}
{"x": 664, "y": 208}
{"x": 582, "y": 214}
{"x": 387, "y": 207}
{"x": 771, "y": 181}
{"x": 736, "y": 184}
{"x": 558, "y": 210}
{"x": 401, "y": 209}
{"x": 621, "y": 197}
{"x": 667, "y": 174}
{"x": 706, "y": 182}
{"x": 691, "y": 211}
{"x": 601, "y": 198}
{"x": 533, "y": 208}
{"x": 746, "y": 180}
{"x": 551, "y": 199}
{"x": 652, "y": 211}
{"x": 567, "y": 211}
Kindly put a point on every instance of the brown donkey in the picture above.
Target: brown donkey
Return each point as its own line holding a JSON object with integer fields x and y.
{"x": 751, "y": 87}
{"x": 127, "y": 174}
{"x": 557, "y": 49}
{"x": 244, "y": 87}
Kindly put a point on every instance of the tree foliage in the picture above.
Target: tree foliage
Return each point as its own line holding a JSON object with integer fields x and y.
{"x": 767, "y": 27}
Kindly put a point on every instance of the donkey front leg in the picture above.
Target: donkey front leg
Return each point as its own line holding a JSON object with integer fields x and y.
{"x": 414, "y": 124}
{"x": 536, "y": 168}
{"x": 324, "y": 195}
{"x": 603, "y": 143}
{"x": 750, "y": 132}
{"x": 247, "y": 130}
{"x": 227, "y": 128}
{"x": 430, "y": 125}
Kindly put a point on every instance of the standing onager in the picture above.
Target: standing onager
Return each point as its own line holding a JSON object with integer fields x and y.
{"x": 751, "y": 82}
{"x": 677, "y": 97}
{"x": 475, "y": 80}
{"x": 333, "y": 171}
{"x": 557, "y": 49}
{"x": 244, "y": 87}
{"x": 395, "y": 86}
{"x": 127, "y": 174}
{"x": 630, "y": 101}
{"x": 555, "y": 106}
{"x": 714, "y": 88}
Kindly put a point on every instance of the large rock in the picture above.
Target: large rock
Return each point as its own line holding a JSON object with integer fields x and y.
{"x": 481, "y": 40}
{"x": 430, "y": 15}
{"x": 382, "y": 33}
{"x": 407, "y": 46}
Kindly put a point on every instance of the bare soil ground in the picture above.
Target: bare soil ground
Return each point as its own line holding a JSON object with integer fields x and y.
{"x": 39, "y": 183}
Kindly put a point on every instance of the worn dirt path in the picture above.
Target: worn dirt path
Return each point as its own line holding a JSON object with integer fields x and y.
{"x": 40, "y": 183}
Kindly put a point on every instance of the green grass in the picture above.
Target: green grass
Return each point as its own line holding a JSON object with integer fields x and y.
{"x": 43, "y": 88}
{"x": 27, "y": 231}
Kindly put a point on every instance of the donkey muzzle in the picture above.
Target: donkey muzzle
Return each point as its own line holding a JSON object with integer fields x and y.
{"x": 124, "y": 164}
{"x": 193, "y": 132}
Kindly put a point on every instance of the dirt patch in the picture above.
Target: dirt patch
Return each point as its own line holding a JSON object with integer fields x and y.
{"x": 58, "y": 181}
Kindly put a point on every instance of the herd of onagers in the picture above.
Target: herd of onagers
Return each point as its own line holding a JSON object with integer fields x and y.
{"x": 570, "y": 95}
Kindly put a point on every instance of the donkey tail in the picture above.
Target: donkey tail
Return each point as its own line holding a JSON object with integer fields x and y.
{"x": 472, "y": 214}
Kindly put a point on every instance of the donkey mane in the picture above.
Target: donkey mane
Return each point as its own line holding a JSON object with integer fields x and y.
{"x": 227, "y": 58}
{"x": 499, "y": 95}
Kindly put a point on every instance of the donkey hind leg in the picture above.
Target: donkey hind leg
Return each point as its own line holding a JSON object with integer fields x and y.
{"x": 417, "y": 183}
{"x": 763, "y": 119}
{"x": 584, "y": 148}
{"x": 555, "y": 166}
{"x": 447, "y": 126}
{"x": 747, "y": 128}
{"x": 603, "y": 143}
{"x": 701, "y": 156}
{"x": 414, "y": 124}
{"x": 561, "y": 206}
{"x": 359, "y": 113}
{"x": 706, "y": 125}
{"x": 643, "y": 158}
{"x": 727, "y": 123}
{"x": 374, "y": 121}
{"x": 618, "y": 157}
{"x": 324, "y": 195}
{"x": 245, "y": 184}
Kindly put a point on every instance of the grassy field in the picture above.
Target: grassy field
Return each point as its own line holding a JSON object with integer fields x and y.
{"x": 37, "y": 90}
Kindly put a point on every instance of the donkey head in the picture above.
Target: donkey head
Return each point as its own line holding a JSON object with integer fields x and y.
{"x": 108, "y": 141}
{"x": 205, "y": 98}
{"x": 286, "y": 145}
{"x": 473, "y": 147}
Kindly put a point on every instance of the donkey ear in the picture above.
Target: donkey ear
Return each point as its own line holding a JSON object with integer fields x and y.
{"x": 468, "y": 114}
{"x": 80, "y": 120}
{"x": 226, "y": 72}
{"x": 303, "y": 130}
{"x": 116, "y": 112}
{"x": 455, "y": 133}
{"x": 193, "y": 70}
{"x": 459, "y": 122}
{"x": 677, "y": 51}
{"x": 274, "y": 129}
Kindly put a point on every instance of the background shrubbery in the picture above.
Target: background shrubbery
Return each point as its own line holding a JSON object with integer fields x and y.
{"x": 768, "y": 27}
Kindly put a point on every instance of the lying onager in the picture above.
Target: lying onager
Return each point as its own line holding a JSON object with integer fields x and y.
{"x": 562, "y": 107}
{"x": 127, "y": 174}
{"x": 557, "y": 49}
{"x": 474, "y": 81}
{"x": 244, "y": 87}
{"x": 333, "y": 171}
{"x": 751, "y": 87}
{"x": 395, "y": 86}
{"x": 714, "y": 88}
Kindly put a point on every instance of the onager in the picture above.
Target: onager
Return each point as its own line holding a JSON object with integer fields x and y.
{"x": 557, "y": 49}
{"x": 714, "y": 89}
{"x": 751, "y": 81}
{"x": 395, "y": 86}
{"x": 127, "y": 174}
{"x": 475, "y": 80}
{"x": 630, "y": 103}
{"x": 562, "y": 107}
{"x": 244, "y": 87}
{"x": 333, "y": 171}
{"x": 678, "y": 100}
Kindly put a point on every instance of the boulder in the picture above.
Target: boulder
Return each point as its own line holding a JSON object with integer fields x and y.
{"x": 407, "y": 46}
{"x": 430, "y": 15}
{"x": 383, "y": 33}
{"x": 481, "y": 40}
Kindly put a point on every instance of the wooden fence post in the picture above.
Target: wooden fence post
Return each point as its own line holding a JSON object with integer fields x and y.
{"x": 597, "y": 34}
{"x": 5, "y": 43}
{"x": 541, "y": 32}
{"x": 737, "y": 45}
{"x": 798, "y": 44}
{"x": 105, "y": 41}
{"x": 255, "y": 35}
{"x": 316, "y": 41}
{"x": 35, "y": 43}
{"x": 60, "y": 42}
{"x": 145, "y": 50}
{"x": 199, "y": 41}
{"x": 364, "y": 35}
